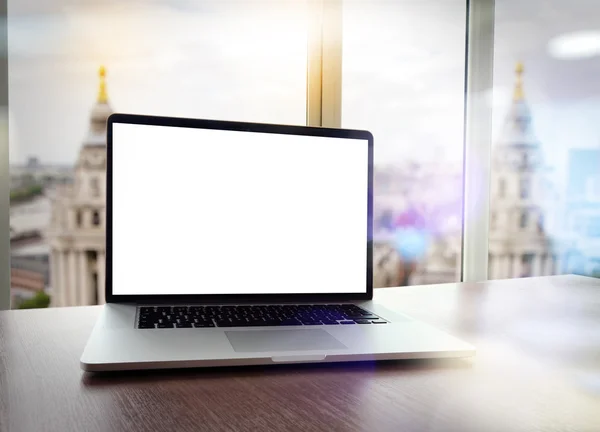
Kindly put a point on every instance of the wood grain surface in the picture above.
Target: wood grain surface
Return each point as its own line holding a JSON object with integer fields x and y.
{"x": 537, "y": 369}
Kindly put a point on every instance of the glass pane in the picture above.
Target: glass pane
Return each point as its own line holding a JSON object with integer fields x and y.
{"x": 545, "y": 204}
{"x": 211, "y": 59}
{"x": 403, "y": 80}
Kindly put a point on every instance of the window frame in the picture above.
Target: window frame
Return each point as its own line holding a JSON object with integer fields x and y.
{"x": 324, "y": 64}
{"x": 4, "y": 170}
{"x": 479, "y": 83}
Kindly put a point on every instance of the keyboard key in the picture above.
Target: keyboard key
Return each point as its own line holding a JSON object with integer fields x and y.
{"x": 347, "y": 322}
{"x": 379, "y": 322}
{"x": 203, "y": 324}
{"x": 360, "y": 321}
{"x": 146, "y": 326}
{"x": 262, "y": 324}
{"x": 165, "y": 325}
{"x": 183, "y": 325}
{"x": 223, "y": 323}
{"x": 290, "y": 323}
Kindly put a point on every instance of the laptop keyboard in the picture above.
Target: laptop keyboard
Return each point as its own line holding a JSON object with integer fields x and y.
{"x": 150, "y": 317}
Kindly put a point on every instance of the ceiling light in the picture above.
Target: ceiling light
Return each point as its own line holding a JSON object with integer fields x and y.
{"x": 578, "y": 45}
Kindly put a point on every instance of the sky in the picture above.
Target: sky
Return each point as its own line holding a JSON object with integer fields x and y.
{"x": 403, "y": 69}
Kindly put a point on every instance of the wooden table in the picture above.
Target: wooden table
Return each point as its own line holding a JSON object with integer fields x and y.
{"x": 537, "y": 369}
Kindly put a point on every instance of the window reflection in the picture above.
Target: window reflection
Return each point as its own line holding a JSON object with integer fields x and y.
{"x": 403, "y": 79}
{"x": 546, "y": 110}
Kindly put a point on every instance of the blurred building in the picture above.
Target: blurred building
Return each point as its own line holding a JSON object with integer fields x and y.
{"x": 432, "y": 190}
{"x": 520, "y": 196}
{"x": 76, "y": 231}
{"x": 581, "y": 227}
{"x": 28, "y": 276}
{"x": 28, "y": 249}
{"x": 33, "y": 172}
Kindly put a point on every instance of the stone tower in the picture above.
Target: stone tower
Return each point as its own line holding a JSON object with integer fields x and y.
{"x": 518, "y": 243}
{"x": 77, "y": 229}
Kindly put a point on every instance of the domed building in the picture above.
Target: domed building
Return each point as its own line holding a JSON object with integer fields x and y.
{"x": 519, "y": 244}
{"x": 76, "y": 233}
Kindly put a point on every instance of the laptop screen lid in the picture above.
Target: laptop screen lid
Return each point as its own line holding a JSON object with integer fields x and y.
{"x": 204, "y": 211}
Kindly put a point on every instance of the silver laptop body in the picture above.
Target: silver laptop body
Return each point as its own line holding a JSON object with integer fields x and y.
{"x": 233, "y": 243}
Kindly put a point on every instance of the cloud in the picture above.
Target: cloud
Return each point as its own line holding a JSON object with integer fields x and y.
{"x": 36, "y": 35}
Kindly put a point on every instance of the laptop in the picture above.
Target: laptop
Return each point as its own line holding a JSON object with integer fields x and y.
{"x": 232, "y": 243}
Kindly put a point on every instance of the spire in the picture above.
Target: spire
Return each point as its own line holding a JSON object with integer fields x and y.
{"x": 519, "y": 95}
{"x": 517, "y": 135}
{"x": 102, "y": 95}
{"x": 100, "y": 113}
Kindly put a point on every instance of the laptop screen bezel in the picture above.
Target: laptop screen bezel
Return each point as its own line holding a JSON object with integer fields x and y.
{"x": 234, "y": 126}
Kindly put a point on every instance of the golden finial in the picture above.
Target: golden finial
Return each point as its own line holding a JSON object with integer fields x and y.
{"x": 102, "y": 96}
{"x": 519, "y": 94}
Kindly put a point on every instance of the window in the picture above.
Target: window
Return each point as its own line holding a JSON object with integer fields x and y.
{"x": 217, "y": 59}
{"x": 95, "y": 186}
{"x": 403, "y": 80}
{"x": 95, "y": 288}
{"x": 575, "y": 262}
{"x": 545, "y": 90}
{"x": 401, "y": 76}
{"x": 593, "y": 189}
{"x": 523, "y": 219}
{"x": 593, "y": 228}
{"x": 527, "y": 264}
{"x": 525, "y": 188}
{"x": 501, "y": 188}
{"x": 576, "y": 222}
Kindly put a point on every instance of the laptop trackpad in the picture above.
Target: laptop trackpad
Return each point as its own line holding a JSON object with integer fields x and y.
{"x": 282, "y": 340}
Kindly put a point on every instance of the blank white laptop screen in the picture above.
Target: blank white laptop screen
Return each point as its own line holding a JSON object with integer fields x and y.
{"x": 202, "y": 211}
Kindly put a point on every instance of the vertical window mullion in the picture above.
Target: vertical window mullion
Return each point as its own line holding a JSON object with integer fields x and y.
{"x": 478, "y": 139}
{"x": 324, "y": 71}
{"x": 314, "y": 63}
{"x": 4, "y": 173}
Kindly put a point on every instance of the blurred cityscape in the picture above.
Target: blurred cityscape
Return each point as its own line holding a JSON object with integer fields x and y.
{"x": 537, "y": 227}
